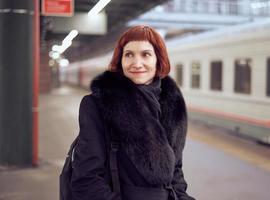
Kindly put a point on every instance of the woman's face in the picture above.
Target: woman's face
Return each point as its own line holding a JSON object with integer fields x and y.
{"x": 139, "y": 62}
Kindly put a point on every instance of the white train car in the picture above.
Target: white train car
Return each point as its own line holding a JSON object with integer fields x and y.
{"x": 225, "y": 77}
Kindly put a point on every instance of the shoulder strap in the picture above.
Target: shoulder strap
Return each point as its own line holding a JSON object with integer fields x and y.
{"x": 69, "y": 157}
{"x": 72, "y": 148}
{"x": 113, "y": 162}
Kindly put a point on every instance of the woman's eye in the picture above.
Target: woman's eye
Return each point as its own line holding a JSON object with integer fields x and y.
{"x": 146, "y": 54}
{"x": 129, "y": 55}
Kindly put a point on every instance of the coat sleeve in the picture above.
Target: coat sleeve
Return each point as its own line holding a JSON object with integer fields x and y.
{"x": 89, "y": 166}
{"x": 179, "y": 184}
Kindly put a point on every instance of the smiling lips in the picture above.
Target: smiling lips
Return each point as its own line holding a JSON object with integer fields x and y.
{"x": 137, "y": 72}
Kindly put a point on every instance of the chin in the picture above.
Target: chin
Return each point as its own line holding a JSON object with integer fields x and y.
{"x": 140, "y": 81}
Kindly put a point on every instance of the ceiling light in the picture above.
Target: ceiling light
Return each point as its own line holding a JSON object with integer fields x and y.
{"x": 98, "y": 7}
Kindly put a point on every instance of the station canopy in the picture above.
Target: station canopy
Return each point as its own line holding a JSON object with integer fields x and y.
{"x": 119, "y": 13}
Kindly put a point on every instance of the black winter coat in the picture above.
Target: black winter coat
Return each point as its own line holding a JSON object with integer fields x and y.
{"x": 150, "y": 154}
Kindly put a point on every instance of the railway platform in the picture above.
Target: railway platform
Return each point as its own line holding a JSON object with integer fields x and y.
{"x": 216, "y": 164}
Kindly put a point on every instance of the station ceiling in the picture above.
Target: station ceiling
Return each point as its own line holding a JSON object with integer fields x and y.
{"x": 119, "y": 12}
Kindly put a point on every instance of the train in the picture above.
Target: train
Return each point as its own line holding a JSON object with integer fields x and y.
{"x": 224, "y": 75}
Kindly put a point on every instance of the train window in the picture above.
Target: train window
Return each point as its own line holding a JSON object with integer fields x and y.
{"x": 195, "y": 74}
{"x": 216, "y": 75}
{"x": 268, "y": 78}
{"x": 242, "y": 81}
{"x": 179, "y": 74}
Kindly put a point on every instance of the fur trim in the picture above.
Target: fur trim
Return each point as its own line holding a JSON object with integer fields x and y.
{"x": 153, "y": 147}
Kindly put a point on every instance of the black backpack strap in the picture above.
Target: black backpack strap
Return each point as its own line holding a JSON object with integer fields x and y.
{"x": 69, "y": 157}
{"x": 113, "y": 162}
{"x": 65, "y": 176}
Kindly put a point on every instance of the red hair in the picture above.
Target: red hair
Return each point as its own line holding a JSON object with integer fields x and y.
{"x": 142, "y": 33}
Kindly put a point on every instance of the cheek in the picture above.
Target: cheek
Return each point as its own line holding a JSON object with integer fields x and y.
{"x": 153, "y": 65}
{"x": 154, "y": 71}
{"x": 125, "y": 63}
{"x": 154, "y": 62}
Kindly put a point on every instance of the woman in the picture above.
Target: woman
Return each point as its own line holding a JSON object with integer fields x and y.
{"x": 142, "y": 105}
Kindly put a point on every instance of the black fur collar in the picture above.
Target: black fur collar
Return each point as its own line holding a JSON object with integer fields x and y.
{"x": 152, "y": 145}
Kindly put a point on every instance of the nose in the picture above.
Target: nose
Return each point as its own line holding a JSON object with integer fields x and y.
{"x": 137, "y": 62}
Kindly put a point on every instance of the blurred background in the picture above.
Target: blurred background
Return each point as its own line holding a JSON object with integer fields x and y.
{"x": 220, "y": 58}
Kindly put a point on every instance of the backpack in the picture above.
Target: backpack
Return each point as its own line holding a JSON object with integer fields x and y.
{"x": 66, "y": 174}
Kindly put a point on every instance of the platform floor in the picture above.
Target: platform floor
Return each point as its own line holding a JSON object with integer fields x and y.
{"x": 217, "y": 166}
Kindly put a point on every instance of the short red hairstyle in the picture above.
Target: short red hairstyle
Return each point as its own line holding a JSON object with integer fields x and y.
{"x": 142, "y": 33}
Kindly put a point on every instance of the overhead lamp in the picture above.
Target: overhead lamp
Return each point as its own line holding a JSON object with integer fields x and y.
{"x": 65, "y": 43}
{"x": 98, "y": 7}
{"x": 72, "y": 34}
{"x": 54, "y": 54}
{"x": 51, "y": 62}
{"x": 65, "y": 46}
{"x": 56, "y": 48}
{"x": 64, "y": 62}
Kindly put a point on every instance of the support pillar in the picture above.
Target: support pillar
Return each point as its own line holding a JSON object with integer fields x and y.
{"x": 16, "y": 82}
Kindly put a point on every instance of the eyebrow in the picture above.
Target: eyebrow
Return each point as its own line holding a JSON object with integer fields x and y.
{"x": 142, "y": 50}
